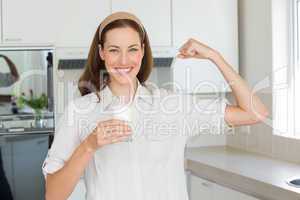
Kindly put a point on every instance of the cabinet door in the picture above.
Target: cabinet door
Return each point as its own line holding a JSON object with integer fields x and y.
{"x": 200, "y": 189}
{"x": 214, "y": 23}
{"x": 155, "y": 16}
{"x": 78, "y": 21}
{"x": 28, "y": 22}
{"x": 223, "y": 193}
{"x": 6, "y": 165}
{"x": 29, "y": 153}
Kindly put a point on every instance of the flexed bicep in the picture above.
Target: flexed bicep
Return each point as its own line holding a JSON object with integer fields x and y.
{"x": 236, "y": 116}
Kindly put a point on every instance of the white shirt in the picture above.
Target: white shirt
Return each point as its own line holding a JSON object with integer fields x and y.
{"x": 151, "y": 166}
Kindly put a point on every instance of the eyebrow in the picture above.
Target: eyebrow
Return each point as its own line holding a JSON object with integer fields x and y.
{"x": 133, "y": 45}
{"x": 115, "y": 46}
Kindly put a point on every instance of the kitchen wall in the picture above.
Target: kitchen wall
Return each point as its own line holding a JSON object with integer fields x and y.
{"x": 263, "y": 45}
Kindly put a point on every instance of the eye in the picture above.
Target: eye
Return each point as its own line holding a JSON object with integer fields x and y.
{"x": 113, "y": 50}
{"x": 133, "y": 49}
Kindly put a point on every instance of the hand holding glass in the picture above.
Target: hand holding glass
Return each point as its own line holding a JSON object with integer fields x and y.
{"x": 108, "y": 132}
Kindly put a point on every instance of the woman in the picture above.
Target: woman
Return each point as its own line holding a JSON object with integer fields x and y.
{"x": 90, "y": 143}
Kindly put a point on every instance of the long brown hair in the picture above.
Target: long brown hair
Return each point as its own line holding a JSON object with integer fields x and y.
{"x": 95, "y": 77}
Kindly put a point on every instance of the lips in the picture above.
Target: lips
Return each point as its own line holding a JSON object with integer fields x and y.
{"x": 123, "y": 70}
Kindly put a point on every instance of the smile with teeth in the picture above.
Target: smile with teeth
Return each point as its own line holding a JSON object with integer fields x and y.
{"x": 123, "y": 70}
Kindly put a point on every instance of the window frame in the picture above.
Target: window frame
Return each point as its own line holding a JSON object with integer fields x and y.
{"x": 291, "y": 78}
{"x": 294, "y": 67}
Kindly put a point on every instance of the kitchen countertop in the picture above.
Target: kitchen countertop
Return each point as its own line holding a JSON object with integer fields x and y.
{"x": 254, "y": 174}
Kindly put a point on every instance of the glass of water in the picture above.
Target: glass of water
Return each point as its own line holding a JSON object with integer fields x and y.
{"x": 125, "y": 113}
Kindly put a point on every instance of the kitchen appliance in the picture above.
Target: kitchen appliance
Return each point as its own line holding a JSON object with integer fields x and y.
{"x": 25, "y": 71}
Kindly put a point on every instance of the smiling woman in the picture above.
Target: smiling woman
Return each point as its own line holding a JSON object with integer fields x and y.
{"x": 90, "y": 138}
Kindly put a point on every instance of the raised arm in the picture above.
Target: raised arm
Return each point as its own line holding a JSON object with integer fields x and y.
{"x": 249, "y": 108}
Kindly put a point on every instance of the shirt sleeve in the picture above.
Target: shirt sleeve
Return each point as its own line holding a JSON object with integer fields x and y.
{"x": 66, "y": 140}
{"x": 205, "y": 116}
{"x": 6, "y": 79}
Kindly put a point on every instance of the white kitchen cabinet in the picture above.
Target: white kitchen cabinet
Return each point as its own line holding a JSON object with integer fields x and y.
{"x": 78, "y": 21}
{"x": 214, "y": 23}
{"x": 155, "y": 16}
{"x": 201, "y": 189}
{"x": 68, "y": 23}
{"x": 223, "y": 193}
{"x": 28, "y": 22}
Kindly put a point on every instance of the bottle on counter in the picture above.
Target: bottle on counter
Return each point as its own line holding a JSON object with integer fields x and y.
{"x": 14, "y": 107}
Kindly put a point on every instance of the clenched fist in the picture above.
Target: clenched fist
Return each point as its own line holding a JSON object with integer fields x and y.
{"x": 195, "y": 49}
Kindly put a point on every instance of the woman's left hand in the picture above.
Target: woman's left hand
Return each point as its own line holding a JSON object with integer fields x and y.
{"x": 195, "y": 49}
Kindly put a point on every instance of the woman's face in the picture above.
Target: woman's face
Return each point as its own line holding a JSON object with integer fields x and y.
{"x": 122, "y": 53}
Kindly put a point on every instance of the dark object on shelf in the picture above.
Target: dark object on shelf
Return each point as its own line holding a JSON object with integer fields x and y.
{"x": 5, "y": 98}
{"x": 163, "y": 62}
{"x": 71, "y": 63}
{"x": 14, "y": 108}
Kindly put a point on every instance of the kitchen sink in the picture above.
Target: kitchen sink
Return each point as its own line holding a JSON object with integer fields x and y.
{"x": 294, "y": 182}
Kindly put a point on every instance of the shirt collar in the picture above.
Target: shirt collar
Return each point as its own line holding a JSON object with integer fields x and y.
{"x": 142, "y": 94}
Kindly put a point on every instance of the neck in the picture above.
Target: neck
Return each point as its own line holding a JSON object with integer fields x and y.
{"x": 126, "y": 91}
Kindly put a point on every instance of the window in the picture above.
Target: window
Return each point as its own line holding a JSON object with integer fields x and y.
{"x": 297, "y": 75}
{"x": 286, "y": 73}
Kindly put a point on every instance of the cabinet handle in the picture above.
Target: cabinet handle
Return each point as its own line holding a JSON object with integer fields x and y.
{"x": 41, "y": 142}
{"x": 13, "y": 39}
{"x": 205, "y": 184}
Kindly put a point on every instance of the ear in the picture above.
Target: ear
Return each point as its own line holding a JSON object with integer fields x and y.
{"x": 101, "y": 52}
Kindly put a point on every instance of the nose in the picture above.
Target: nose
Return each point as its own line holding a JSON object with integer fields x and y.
{"x": 124, "y": 59}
